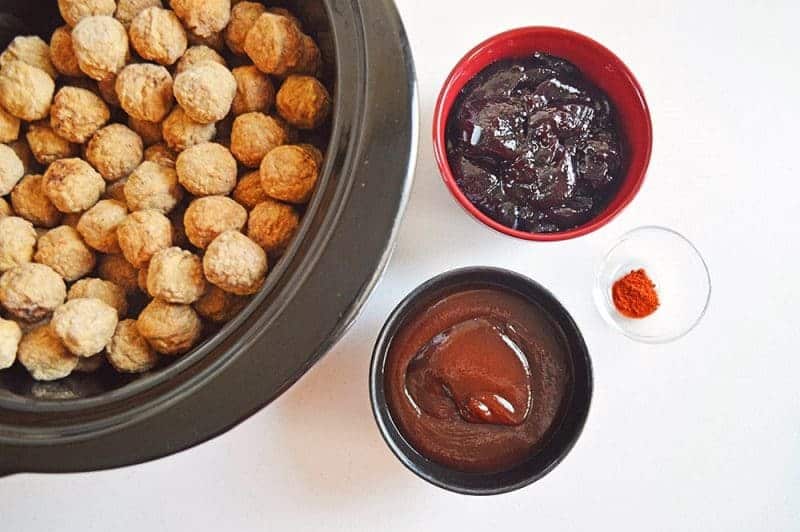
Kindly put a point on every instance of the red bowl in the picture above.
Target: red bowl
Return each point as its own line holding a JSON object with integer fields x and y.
{"x": 599, "y": 65}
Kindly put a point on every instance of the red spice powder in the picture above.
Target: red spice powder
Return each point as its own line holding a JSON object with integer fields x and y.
{"x": 635, "y": 295}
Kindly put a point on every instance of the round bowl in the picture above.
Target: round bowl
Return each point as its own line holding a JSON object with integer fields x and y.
{"x": 599, "y": 65}
{"x": 574, "y": 412}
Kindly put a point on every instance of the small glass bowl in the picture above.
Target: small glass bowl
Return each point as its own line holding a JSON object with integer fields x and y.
{"x": 676, "y": 268}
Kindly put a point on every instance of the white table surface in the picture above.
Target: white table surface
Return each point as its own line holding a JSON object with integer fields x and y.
{"x": 702, "y": 434}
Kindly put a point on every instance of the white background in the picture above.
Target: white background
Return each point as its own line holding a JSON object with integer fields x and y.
{"x": 699, "y": 435}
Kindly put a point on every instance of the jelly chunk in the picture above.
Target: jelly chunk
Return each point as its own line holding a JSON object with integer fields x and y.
{"x": 492, "y": 129}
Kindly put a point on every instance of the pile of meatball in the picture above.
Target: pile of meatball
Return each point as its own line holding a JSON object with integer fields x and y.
{"x": 151, "y": 168}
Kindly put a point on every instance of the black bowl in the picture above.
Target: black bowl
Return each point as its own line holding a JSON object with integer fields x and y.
{"x": 561, "y": 439}
{"x": 311, "y": 295}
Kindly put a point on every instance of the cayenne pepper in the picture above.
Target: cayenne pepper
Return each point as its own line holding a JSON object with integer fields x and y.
{"x": 635, "y": 295}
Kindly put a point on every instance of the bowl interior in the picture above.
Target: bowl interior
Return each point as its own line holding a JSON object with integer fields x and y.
{"x": 599, "y": 65}
{"x": 574, "y": 411}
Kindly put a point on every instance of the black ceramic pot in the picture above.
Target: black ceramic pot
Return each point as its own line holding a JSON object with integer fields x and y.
{"x": 105, "y": 420}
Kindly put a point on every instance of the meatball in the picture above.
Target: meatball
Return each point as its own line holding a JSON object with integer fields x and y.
{"x": 157, "y": 35}
{"x": 115, "y": 151}
{"x": 84, "y": 325}
{"x": 101, "y": 46}
{"x": 128, "y": 351}
{"x": 254, "y": 90}
{"x": 43, "y": 354}
{"x": 25, "y": 91}
{"x": 274, "y": 44}
{"x": 248, "y": 191}
{"x": 98, "y": 226}
{"x": 72, "y": 185}
{"x": 150, "y": 132}
{"x": 11, "y": 169}
{"x": 116, "y": 269}
{"x": 176, "y": 276}
{"x": 9, "y": 126}
{"x": 235, "y": 263}
{"x": 10, "y": 335}
{"x": 62, "y": 54}
{"x": 160, "y": 154}
{"x": 254, "y": 135}
{"x": 63, "y": 250}
{"x": 219, "y": 306}
{"x": 77, "y": 113}
{"x": 72, "y": 11}
{"x": 145, "y": 91}
{"x": 17, "y": 241}
{"x": 153, "y": 186}
{"x": 289, "y": 173}
{"x": 206, "y": 218}
{"x": 203, "y": 17}
{"x": 303, "y": 101}
{"x": 107, "y": 89}
{"x": 106, "y": 291}
{"x": 205, "y": 91}
{"x": 272, "y": 225}
{"x": 311, "y": 61}
{"x": 29, "y": 49}
{"x": 142, "y": 234}
{"x": 243, "y": 16}
{"x": 128, "y": 9}
{"x": 31, "y": 291}
{"x": 170, "y": 329}
{"x": 206, "y": 169}
{"x": 282, "y": 11}
{"x": 196, "y": 55}
{"x": 31, "y": 203}
{"x": 181, "y": 132}
{"x": 46, "y": 145}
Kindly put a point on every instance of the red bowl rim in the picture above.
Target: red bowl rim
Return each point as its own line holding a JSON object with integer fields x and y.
{"x": 440, "y": 116}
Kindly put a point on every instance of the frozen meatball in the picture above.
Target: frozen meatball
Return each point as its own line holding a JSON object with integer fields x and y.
{"x": 62, "y": 54}
{"x": 303, "y": 101}
{"x": 84, "y": 325}
{"x": 203, "y": 17}
{"x": 205, "y": 91}
{"x": 274, "y": 44}
{"x": 115, "y": 151}
{"x": 72, "y": 185}
{"x": 128, "y": 351}
{"x": 9, "y": 126}
{"x": 243, "y": 16}
{"x": 63, "y": 250}
{"x": 106, "y": 291}
{"x": 157, "y": 35}
{"x": 289, "y": 173}
{"x": 11, "y": 169}
{"x": 46, "y": 145}
{"x": 311, "y": 61}
{"x": 5, "y": 209}
{"x": 169, "y": 328}
{"x": 142, "y": 234}
{"x": 29, "y": 49}
{"x": 254, "y": 90}
{"x": 107, "y": 89}
{"x": 43, "y": 354}
{"x": 101, "y": 46}
{"x": 31, "y": 203}
{"x": 272, "y": 226}
{"x": 206, "y": 169}
{"x": 150, "y": 132}
{"x": 31, "y": 291}
{"x": 98, "y": 226}
{"x": 235, "y": 263}
{"x": 153, "y": 186}
{"x": 196, "y": 55}
{"x": 25, "y": 91}
{"x": 256, "y": 134}
{"x": 219, "y": 306}
{"x": 206, "y": 218}
{"x": 176, "y": 276}
{"x": 72, "y": 11}
{"x": 17, "y": 241}
{"x": 128, "y": 9}
{"x": 282, "y": 11}
{"x": 116, "y": 269}
{"x": 145, "y": 91}
{"x": 248, "y": 191}
{"x": 77, "y": 113}
{"x": 160, "y": 154}
{"x": 181, "y": 132}
{"x": 10, "y": 335}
